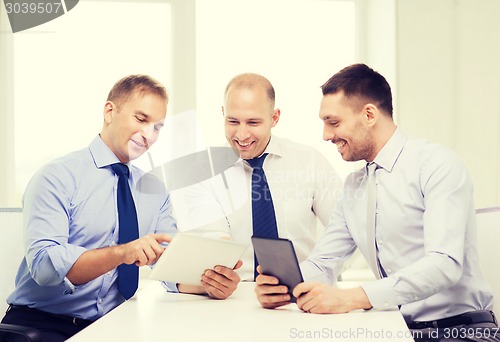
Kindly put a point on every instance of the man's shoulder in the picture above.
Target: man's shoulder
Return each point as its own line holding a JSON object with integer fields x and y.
{"x": 425, "y": 150}
{"x": 61, "y": 173}
{"x": 71, "y": 162}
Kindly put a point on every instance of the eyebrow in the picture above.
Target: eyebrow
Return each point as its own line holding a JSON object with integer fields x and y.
{"x": 328, "y": 117}
{"x": 140, "y": 112}
{"x": 250, "y": 119}
{"x": 148, "y": 118}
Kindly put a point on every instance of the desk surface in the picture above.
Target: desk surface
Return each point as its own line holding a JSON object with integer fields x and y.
{"x": 156, "y": 315}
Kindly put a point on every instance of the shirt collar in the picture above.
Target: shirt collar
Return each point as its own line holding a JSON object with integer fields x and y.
{"x": 389, "y": 154}
{"x": 101, "y": 153}
{"x": 274, "y": 147}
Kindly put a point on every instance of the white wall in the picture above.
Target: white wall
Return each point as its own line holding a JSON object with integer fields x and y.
{"x": 441, "y": 57}
{"x": 55, "y": 77}
{"x": 448, "y": 78}
{"x": 6, "y": 106}
{"x": 297, "y": 51}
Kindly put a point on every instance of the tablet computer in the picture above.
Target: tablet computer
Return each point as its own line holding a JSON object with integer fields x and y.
{"x": 188, "y": 256}
{"x": 277, "y": 258}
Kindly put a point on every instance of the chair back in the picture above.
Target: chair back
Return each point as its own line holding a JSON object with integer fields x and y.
{"x": 488, "y": 239}
{"x": 11, "y": 251}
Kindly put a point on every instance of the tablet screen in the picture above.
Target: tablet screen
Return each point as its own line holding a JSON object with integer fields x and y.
{"x": 277, "y": 257}
{"x": 188, "y": 256}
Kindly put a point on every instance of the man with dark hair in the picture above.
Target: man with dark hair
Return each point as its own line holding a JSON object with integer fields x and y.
{"x": 409, "y": 211}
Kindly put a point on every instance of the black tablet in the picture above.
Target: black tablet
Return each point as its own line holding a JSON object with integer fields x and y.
{"x": 277, "y": 258}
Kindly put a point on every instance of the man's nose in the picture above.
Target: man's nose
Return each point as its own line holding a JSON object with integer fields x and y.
{"x": 242, "y": 132}
{"x": 328, "y": 134}
{"x": 150, "y": 134}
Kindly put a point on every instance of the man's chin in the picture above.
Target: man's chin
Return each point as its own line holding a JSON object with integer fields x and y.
{"x": 247, "y": 155}
{"x": 135, "y": 154}
{"x": 346, "y": 156}
{"x": 244, "y": 154}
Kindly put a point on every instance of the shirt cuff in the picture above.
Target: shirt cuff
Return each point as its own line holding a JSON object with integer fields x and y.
{"x": 381, "y": 293}
{"x": 64, "y": 257}
{"x": 171, "y": 287}
{"x": 69, "y": 287}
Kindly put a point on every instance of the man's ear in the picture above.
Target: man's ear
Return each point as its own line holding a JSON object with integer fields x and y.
{"x": 109, "y": 108}
{"x": 371, "y": 113}
{"x": 276, "y": 116}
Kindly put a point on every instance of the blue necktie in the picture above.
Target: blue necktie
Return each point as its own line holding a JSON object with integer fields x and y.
{"x": 128, "y": 275}
{"x": 263, "y": 216}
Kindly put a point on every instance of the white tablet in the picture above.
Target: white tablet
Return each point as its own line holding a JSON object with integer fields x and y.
{"x": 188, "y": 256}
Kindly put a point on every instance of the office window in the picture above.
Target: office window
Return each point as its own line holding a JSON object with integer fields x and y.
{"x": 297, "y": 44}
{"x": 64, "y": 69}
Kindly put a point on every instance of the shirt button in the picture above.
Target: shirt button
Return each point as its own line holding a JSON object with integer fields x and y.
{"x": 388, "y": 270}
{"x": 386, "y": 304}
{"x": 100, "y": 300}
{"x": 113, "y": 243}
{"x": 380, "y": 242}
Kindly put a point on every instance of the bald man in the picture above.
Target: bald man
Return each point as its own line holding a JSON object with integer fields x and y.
{"x": 302, "y": 184}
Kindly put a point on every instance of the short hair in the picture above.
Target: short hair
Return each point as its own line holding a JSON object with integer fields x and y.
{"x": 141, "y": 84}
{"x": 362, "y": 84}
{"x": 251, "y": 80}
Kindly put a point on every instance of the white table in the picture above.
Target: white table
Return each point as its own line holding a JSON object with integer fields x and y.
{"x": 156, "y": 315}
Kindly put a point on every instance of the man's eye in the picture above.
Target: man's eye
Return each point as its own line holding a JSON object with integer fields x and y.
{"x": 140, "y": 119}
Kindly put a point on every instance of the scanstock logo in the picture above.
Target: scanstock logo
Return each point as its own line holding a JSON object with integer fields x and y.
{"x": 25, "y": 14}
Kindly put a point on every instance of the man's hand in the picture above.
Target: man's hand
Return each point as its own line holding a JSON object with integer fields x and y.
{"x": 269, "y": 294}
{"x": 145, "y": 250}
{"x": 218, "y": 283}
{"x": 221, "y": 282}
{"x": 95, "y": 262}
{"x": 324, "y": 299}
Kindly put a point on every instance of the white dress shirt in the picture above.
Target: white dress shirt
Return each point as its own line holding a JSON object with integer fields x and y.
{"x": 425, "y": 233}
{"x": 303, "y": 185}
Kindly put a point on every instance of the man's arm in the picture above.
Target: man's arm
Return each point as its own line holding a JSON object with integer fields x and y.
{"x": 335, "y": 246}
{"x": 311, "y": 297}
{"x": 94, "y": 263}
{"x": 323, "y": 299}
